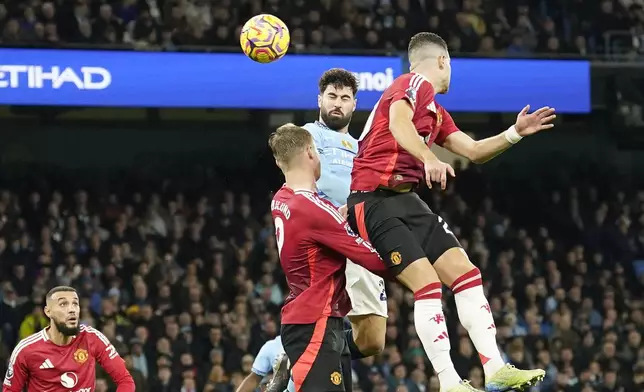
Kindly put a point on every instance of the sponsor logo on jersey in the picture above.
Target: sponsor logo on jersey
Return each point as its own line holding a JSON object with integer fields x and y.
{"x": 69, "y": 379}
{"x": 80, "y": 356}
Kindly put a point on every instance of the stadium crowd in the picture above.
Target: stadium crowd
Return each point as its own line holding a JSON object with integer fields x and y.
{"x": 487, "y": 27}
{"x": 187, "y": 285}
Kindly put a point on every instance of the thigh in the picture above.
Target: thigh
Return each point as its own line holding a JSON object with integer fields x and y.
{"x": 366, "y": 290}
{"x": 315, "y": 352}
{"x": 430, "y": 229}
{"x": 378, "y": 220}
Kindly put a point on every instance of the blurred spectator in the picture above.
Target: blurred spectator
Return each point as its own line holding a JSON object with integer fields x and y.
{"x": 469, "y": 26}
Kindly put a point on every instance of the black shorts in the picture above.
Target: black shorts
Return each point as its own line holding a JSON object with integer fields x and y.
{"x": 318, "y": 355}
{"x": 400, "y": 226}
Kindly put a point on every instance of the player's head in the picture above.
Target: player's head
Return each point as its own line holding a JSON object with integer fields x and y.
{"x": 428, "y": 55}
{"x": 63, "y": 310}
{"x": 337, "y": 99}
{"x": 293, "y": 149}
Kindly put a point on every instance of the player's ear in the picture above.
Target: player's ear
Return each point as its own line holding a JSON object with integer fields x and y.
{"x": 355, "y": 105}
{"x": 442, "y": 61}
{"x": 319, "y": 101}
{"x": 46, "y": 310}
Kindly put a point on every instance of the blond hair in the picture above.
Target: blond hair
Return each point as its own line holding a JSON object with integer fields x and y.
{"x": 287, "y": 142}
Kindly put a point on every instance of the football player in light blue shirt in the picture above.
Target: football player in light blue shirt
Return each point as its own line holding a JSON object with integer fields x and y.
{"x": 337, "y": 148}
{"x": 267, "y": 357}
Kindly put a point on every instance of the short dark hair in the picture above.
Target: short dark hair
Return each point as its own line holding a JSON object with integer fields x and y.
{"x": 338, "y": 77}
{"x": 288, "y": 141}
{"x": 424, "y": 39}
{"x": 60, "y": 289}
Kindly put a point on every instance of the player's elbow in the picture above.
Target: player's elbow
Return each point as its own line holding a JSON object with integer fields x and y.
{"x": 474, "y": 155}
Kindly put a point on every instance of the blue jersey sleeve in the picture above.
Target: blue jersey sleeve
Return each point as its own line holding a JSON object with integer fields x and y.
{"x": 331, "y": 186}
{"x": 263, "y": 365}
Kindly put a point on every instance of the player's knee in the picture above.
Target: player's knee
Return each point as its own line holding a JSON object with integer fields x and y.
{"x": 453, "y": 264}
{"x": 370, "y": 344}
{"x": 369, "y": 334}
{"x": 418, "y": 275}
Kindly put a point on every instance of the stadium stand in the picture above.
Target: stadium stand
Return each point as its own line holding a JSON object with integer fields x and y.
{"x": 486, "y": 27}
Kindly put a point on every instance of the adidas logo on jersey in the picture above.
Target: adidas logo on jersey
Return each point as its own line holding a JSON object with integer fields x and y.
{"x": 47, "y": 364}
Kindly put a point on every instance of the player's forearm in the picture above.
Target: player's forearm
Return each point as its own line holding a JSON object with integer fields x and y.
{"x": 123, "y": 379}
{"x": 250, "y": 383}
{"x": 407, "y": 137}
{"x": 488, "y": 148}
{"x": 126, "y": 386}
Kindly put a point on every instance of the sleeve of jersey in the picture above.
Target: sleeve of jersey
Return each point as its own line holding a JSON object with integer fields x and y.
{"x": 447, "y": 127}
{"x": 332, "y": 230}
{"x": 17, "y": 371}
{"x": 106, "y": 355}
{"x": 414, "y": 89}
{"x": 262, "y": 365}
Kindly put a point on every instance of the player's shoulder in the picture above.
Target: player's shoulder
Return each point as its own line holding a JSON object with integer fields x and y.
{"x": 273, "y": 344}
{"x": 314, "y": 128}
{"x": 317, "y": 208}
{"x": 28, "y": 344}
{"x": 89, "y": 331}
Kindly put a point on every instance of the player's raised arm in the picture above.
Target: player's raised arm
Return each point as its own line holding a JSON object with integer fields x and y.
{"x": 17, "y": 371}
{"x": 481, "y": 151}
{"x": 332, "y": 230}
{"x": 107, "y": 356}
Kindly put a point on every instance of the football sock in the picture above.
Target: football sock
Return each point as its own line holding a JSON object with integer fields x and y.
{"x": 353, "y": 348}
{"x": 476, "y": 316}
{"x": 429, "y": 321}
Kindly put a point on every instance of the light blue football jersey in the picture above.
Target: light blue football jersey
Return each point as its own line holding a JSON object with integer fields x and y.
{"x": 337, "y": 151}
{"x": 267, "y": 357}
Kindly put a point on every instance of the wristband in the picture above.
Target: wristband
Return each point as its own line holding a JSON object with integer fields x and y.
{"x": 512, "y": 136}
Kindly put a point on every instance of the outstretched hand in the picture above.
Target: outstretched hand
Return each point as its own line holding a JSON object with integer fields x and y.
{"x": 528, "y": 124}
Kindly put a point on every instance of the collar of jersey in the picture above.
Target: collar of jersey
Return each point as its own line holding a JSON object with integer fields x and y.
{"x": 322, "y": 125}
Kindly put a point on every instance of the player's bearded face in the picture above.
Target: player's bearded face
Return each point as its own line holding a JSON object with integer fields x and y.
{"x": 337, "y": 106}
{"x": 64, "y": 311}
{"x": 67, "y": 328}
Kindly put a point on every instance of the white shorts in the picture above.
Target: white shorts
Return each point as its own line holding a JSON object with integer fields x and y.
{"x": 366, "y": 290}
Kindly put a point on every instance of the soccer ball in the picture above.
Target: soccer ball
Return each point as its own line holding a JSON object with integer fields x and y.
{"x": 264, "y": 38}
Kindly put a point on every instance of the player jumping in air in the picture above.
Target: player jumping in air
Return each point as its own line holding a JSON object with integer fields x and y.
{"x": 416, "y": 243}
{"x": 62, "y": 356}
{"x": 313, "y": 241}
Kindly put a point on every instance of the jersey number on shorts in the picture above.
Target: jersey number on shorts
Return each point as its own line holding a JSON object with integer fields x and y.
{"x": 445, "y": 227}
{"x": 279, "y": 234}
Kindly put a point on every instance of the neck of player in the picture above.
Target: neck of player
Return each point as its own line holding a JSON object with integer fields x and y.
{"x": 56, "y": 337}
{"x": 298, "y": 180}
{"x": 431, "y": 78}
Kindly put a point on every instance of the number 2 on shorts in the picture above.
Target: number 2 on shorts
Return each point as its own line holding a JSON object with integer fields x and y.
{"x": 445, "y": 227}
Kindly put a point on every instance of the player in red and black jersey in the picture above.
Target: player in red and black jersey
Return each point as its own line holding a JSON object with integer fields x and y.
{"x": 63, "y": 356}
{"x": 314, "y": 241}
{"x": 393, "y": 157}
